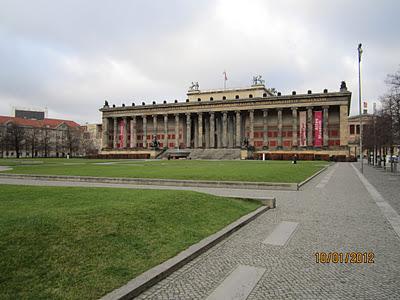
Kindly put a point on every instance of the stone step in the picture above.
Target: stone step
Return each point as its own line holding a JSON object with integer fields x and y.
{"x": 215, "y": 154}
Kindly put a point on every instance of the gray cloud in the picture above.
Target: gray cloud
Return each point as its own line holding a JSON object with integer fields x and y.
{"x": 71, "y": 55}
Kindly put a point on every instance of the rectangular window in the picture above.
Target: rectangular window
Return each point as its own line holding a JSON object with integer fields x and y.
{"x": 351, "y": 129}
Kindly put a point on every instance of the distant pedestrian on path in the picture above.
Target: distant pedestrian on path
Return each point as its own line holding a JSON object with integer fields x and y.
{"x": 294, "y": 159}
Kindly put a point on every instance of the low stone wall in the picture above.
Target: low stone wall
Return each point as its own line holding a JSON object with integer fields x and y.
{"x": 162, "y": 182}
{"x": 326, "y": 155}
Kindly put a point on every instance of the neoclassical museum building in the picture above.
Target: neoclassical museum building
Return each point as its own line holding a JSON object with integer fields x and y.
{"x": 250, "y": 122}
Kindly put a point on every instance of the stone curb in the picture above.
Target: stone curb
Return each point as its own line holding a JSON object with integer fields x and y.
{"x": 162, "y": 182}
{"x": 149, "y": 278}
{"x": 299, "y": 185}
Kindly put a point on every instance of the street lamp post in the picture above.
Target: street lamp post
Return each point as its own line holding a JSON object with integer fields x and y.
{"x": 359, "y": 104}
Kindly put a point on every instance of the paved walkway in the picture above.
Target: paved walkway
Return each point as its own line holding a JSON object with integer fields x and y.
{"x": 387, "y": 183}
{"x": 340, "y": 216}
{"x": 273, "y": 257}
{"x": 260, "y": 194}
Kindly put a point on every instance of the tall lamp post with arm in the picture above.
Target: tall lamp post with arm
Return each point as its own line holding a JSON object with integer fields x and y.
{"x": 359, "y": 104}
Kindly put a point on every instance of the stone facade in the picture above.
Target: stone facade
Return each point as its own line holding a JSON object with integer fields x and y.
{"x": 40, "y": 138}
{"x": 354, "y": 132}
{"x": 253, "y": 117}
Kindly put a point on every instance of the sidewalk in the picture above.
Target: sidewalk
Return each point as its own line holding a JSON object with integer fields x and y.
{"x": 274, "y": 256}
{"x": 387, "y": 183}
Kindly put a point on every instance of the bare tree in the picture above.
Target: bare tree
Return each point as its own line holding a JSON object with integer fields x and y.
{"x": 46, "y": 141}
{"x": 15, "y": 136}
{"x": 2, "y": 140}
{"x": 73, "y": 140}
{"x": 391, "y": 109}
{"x": 32, "y": 140}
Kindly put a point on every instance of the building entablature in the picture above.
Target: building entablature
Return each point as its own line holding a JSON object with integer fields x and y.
{"x": 270, "y": 102}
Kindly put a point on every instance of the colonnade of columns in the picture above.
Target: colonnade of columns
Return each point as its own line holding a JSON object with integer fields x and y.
{"x": 224, "y": 129}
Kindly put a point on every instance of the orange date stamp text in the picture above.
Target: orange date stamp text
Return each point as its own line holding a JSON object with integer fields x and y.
{"x": 344, "y": 257}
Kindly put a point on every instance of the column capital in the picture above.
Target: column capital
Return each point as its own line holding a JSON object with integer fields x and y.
{"x": 325, "y": 107}
{"x": 187, "y": 115}
{"x": 211, "y": 113}
{"x": 279, "y": 108}
{"x": 310, "y": 107}
{"x": 294, "y": 108}
{"x": 251, "y": 110}
{"x": 200, "y": 113}
{"x": 238, "y": 111}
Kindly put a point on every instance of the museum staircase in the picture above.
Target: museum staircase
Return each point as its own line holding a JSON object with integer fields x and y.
{"x": 217, "y": 154}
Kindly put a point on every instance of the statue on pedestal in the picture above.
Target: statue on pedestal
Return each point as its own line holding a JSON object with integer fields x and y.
{"x": 257, "y": 80}
{"x": 155, "y": 143}
{"x": 194, "y": 86}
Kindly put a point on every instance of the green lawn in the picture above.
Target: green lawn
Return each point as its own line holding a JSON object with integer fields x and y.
{"x": 80, "y": 243}
{"x": 252, "y": 171}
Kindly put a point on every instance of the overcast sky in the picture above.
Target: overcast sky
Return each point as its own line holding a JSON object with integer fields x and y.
{"x": 70, "y": 55}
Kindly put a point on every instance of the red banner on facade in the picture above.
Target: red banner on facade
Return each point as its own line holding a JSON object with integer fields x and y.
{"x": 303, "y": 129}
{"x": 121, "y": 133}
{"x": 318, "y": 128}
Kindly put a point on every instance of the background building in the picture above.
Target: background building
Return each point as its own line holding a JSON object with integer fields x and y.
{"x": 25, "y": 137}
{"x": 354, "y": 132}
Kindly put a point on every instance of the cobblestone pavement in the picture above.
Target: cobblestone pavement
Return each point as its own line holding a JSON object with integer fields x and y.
{"x": 387, "y": 183}
{"x": 340, "y": 216}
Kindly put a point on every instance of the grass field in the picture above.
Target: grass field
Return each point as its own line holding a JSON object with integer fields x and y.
{"x": 251, "y": 171}
{"x": 80, "y": 243}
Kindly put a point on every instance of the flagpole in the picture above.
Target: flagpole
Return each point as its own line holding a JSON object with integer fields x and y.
{"x": 359, "y": 106}
{"x": 224, "y": 80}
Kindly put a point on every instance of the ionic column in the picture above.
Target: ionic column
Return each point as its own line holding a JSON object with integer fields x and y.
{"x": 238, "y": 122}
{"x": 279, "y": 128}
{"x": 309, "y": 127}
{"x": 265, "y": 129}
{"x": 344, "y": 125}
{"x": 200, "y": 129}
{"x": 207, "y": 133}
{"x": 115, "y": 133}
{"x": 105, "y": 133}
{"x": 251, "y": 134}
{"x": 212, "y": 129}
{"x": 177, "y": 131}
{"x": 155, "y": 125}
{"x": 133, "y": 132}
{"x": 294, "y": 126}
{"x": 144, "y": 131}
{"x": 224, "y": 129}
{"x": 188, "y": 129}
{"x": 165, "y": 131}
{"x": 325, "y": 125}
{"x": 125, "y": 135}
